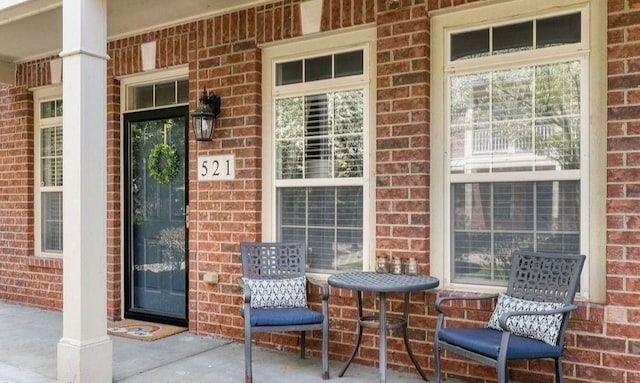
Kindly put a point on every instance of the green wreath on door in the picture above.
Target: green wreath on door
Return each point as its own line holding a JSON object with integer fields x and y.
{"x": 171, "y": 163}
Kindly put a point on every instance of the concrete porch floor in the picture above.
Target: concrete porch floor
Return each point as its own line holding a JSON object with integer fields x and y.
{"x": 29, "y": 338}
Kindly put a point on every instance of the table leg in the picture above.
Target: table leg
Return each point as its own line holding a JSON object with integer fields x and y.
{"x": 405, "y": 331}
{"x": 355, "y": 349}
{"x": 383, "y": 337}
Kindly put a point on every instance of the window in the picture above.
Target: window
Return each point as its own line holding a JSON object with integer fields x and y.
{"x": 48, "y": 175}
{"x": 319, "y": 108}
{"x": 510, "y": 170}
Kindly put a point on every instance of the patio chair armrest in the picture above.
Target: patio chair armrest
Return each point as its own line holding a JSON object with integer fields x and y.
{"x": 442, "y": 300}
{"x": 561, "y": 310}
{"x": 323, "y": 286}
{"x": 246, "y": 290}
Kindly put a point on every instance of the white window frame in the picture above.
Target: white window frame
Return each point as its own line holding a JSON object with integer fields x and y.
{"x": 42, "y": 95}
{"x": 593, "y": 150}
{"x": 329, "y": 43}
{"x": 180, "y": 72}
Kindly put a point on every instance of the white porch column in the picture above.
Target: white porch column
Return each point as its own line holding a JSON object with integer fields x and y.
{"x": 85, "y": 349}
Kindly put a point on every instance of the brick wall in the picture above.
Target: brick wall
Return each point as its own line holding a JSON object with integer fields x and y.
{"x": 225, "y": 213}
{"x": 615, "y": 346}
{"x": 114, "y": 203}
{"x": 222, "y": 53}
{"x": 402, "y": 135}
{"x": 23, "y": 278}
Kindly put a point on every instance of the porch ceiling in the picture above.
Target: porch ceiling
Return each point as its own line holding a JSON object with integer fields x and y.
{"x": 33, "y": 28}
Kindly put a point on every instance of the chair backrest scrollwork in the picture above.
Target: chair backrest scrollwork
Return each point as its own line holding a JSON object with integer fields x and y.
{"x": 545, "y": 277}
{"x": 273, "y": 259}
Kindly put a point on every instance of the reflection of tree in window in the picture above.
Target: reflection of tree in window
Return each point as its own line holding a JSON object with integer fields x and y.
{"x": 534, "y": 110}
{"x": 348, "y": 115}
{"x": 558, "y": 113}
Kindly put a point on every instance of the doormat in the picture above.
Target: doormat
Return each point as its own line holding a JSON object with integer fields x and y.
{"x": 135, "y": 329}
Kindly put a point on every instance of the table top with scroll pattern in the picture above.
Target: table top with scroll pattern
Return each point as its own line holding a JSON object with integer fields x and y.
{"x": 383, "y": 282}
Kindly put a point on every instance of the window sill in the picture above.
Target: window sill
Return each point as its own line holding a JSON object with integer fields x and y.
{"x": 320, "y": 277}
{"x": 44, "y": 262}
{"x": 467, "y": 288}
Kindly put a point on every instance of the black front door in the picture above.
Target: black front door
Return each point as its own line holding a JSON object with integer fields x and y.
{"x": 156, "y": 214}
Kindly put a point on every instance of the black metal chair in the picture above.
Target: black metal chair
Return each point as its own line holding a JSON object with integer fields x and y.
{"x": 275, "y": 292}
{"x": 529, "y": 321}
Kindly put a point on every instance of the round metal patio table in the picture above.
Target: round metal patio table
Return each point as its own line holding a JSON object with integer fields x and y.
{"x": 383, "y": 283}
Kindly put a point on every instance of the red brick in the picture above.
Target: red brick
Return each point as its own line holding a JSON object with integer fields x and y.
{"x": 624, "y": 82}
{"x": 615, "y": 5}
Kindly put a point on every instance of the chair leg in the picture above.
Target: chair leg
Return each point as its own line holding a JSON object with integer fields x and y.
{"x": 325, "y": 349}
{"x": 559, "y": 377}
{"x": 501, "y": 366}
{"x": 436, "y": 357}
{"x": 248, "y": 378}
{"x": 503, "y": 372}
{"x": 303, "y": 337}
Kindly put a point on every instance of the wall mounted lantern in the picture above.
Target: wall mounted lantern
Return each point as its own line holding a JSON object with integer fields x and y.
{"x": 204, "y": 118}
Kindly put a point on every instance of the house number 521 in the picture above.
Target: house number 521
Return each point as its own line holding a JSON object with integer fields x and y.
{"x": 216, "y": 168}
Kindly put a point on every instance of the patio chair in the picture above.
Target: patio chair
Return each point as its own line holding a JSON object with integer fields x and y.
{"x": 529, "y": 320}
{"x": 275, "y": 296}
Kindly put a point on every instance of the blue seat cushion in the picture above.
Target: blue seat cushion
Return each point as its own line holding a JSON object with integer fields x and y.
{"x": 285, "y": 316}
{"x": 486, "y": 341}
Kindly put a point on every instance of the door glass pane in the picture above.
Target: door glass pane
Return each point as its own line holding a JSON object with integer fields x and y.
{"x": 166, "y": 93}
{"x": 140, "y": 97}
{"x": 158, "y": 243}
{"x": 183, "y": 91}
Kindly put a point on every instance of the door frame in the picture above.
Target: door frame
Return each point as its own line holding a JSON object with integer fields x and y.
{"x": 127, "y": 229}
